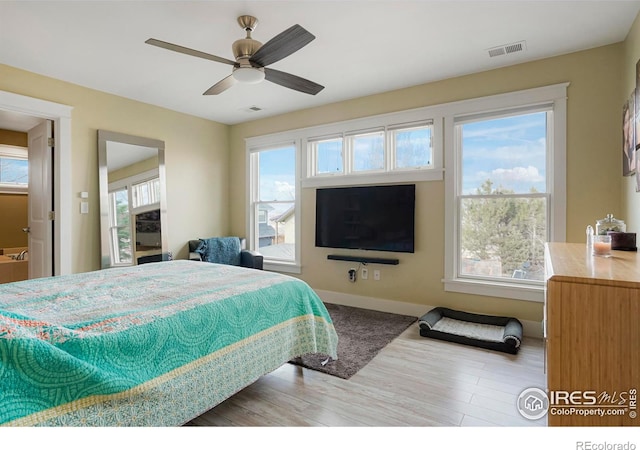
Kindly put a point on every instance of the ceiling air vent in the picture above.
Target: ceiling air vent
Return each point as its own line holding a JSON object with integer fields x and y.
{"x": 249, "y": 109}
{"x": 507, "y": 49}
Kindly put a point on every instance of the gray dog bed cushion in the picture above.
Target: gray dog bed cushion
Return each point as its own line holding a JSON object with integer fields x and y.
{"x": 503, "y": 334}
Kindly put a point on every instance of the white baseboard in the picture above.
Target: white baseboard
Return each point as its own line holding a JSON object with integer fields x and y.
{"x": 530, "y": 328}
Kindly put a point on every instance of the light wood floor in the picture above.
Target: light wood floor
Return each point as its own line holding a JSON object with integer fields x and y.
{"x": 414, "y": 381}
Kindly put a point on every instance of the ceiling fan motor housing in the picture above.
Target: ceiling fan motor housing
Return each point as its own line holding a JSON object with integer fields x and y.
{"x": 245, "y": 48}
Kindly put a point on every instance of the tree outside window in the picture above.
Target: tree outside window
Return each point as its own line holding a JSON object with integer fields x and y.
{"x": 504, "y": 201}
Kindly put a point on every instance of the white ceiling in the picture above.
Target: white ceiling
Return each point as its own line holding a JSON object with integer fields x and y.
{"x": 361, "y": 47}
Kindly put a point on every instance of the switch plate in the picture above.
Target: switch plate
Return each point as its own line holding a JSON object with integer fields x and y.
{"x": 376, "y": 275}
{"x": 364, "y": 273}
{"x": 84, "y": 207}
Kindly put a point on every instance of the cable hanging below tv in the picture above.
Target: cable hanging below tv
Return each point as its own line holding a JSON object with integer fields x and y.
{"x": 365, "y": 259}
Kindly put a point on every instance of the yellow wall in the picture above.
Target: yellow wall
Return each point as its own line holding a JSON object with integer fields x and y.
{"x": 630, "y": 211}
{"x": 593, "y": 161}
{"x": 13, "y": 208}
{"x": 196, "y": 160}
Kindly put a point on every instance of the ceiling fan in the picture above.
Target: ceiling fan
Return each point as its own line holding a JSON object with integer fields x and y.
{"x": 252, "y": 57}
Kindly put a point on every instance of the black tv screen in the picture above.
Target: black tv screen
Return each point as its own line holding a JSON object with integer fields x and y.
{"x": 366, "y": 218}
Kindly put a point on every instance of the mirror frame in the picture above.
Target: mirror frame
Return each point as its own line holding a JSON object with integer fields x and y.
{"x": 105, "y": 136}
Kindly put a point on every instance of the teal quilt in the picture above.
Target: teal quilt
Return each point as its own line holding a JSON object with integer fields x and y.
{"x": 151, "y": 345}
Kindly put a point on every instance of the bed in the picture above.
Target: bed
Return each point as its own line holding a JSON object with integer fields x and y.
{"x": 151, "y": 345}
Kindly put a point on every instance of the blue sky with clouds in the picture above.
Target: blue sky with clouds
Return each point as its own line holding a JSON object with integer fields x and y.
{"x": 14, "y": 171}
{"x": 278, "y": 174}
{"x": 509, "y": 151}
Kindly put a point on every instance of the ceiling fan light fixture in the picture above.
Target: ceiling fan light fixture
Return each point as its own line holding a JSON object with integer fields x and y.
{"x": 250, "y": 75}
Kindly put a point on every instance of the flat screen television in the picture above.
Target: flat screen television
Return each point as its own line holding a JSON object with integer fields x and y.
{"x": 366, "y": 218}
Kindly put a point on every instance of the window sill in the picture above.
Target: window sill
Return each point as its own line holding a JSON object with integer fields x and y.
{"x": 273, "y": 266}
{"x": 526, "y": 292}
{"x": 399, "y": 176}
{"x": 10, "y": 189}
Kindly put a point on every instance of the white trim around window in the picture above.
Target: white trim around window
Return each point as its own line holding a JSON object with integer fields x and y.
{"x": 554, "y": 97}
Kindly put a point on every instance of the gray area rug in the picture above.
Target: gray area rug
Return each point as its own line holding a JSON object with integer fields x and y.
{"x": 362, "y": 333}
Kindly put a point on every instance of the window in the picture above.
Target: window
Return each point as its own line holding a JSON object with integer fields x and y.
{"x": 328, "y": 155}
{"x": 503, "y": 204}
{"x": 120, "y": 227}
{"x": 14, "y": 169}
{"x": 146, "y": 193}
{"x": 413, "y": 147}
{"x": 367, "y": 150}
{"x": 128, "y": 198}
{"x": 392, "y": 148}
{"x": 505, "y": 194}
{"x": 273, "y": 215}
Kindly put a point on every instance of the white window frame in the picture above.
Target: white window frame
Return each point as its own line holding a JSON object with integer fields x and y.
{"x": 257, "y": 145}
{"x": 393, "y": 153}
{"x": 349, "y": 148}
{"x": 388, "y": 123}
{"x": 556, "y": 96}
{"x": 14, "y": 152}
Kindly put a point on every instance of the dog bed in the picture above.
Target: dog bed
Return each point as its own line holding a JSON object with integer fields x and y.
{"x": 503, "y": 334}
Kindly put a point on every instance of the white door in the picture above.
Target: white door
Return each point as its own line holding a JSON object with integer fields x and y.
{"x": 40, "y": 201}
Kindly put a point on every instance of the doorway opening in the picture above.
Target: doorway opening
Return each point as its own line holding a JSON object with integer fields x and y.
{"x": 26, "y": 197}
{"x": 56, "y": 211}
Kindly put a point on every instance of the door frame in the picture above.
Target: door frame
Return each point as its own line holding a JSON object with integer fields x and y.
{"x": 62, "y": 194}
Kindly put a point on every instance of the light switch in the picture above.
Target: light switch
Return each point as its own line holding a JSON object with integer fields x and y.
{"x": 84, "y": 207}
{"x": 84, "y": 194}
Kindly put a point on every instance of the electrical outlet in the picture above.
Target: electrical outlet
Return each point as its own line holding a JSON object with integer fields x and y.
{"x": 364, "y": 273}
{"x": 352, "y": 275}
{"x": 376, "y": 275}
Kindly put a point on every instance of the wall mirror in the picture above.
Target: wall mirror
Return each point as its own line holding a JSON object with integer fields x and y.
{"x": 133, "y": 208}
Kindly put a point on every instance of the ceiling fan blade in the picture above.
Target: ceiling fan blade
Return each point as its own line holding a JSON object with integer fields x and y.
{"x": 221, "y": 86}
{"x": 292, "y": 81}
{"x": 188, "y": 51}
{"x": 281, "y": 46}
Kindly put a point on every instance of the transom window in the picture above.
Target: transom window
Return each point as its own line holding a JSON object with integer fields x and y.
{"x": 329, "y": 156}
{"x": 146, "y": 193}
{"x": 413, "y": 147}
{"x": 367, "y": 150}
{"x": 385, "y": 149}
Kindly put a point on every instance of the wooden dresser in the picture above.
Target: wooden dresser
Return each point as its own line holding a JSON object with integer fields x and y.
{"x": 592, "y": 334}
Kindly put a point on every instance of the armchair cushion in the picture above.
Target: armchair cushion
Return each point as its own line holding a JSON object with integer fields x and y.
{"x": 221, "y": 250}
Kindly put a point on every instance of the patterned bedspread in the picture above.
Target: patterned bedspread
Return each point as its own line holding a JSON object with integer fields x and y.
{"x": 156, "y": 344}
